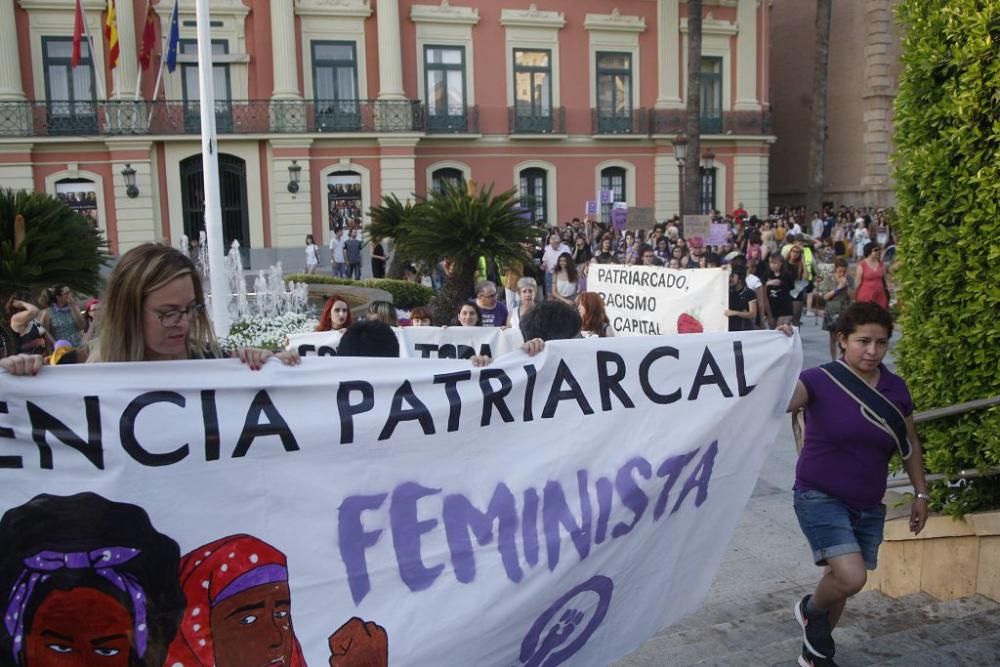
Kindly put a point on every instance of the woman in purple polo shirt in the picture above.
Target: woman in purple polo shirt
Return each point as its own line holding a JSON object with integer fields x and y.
{"x": 841, "y": 473}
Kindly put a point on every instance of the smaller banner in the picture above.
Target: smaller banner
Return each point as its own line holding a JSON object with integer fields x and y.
{"x": 642, "y": 300}
{"x": 422, "y": 342}
{"x": 641, "y": 218}
{"x": 619, "y": 217}
{"x": 607, "y": 196}
{"x": 718, "y": 234}
{"x": 590, "y": 208}
{"x": 697, "y": 225}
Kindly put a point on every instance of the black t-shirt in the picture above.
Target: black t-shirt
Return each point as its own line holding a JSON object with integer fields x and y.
{"x": 779, "y": 297}
{"x": 378, "y": 265}
{"x": 739, "y": 299}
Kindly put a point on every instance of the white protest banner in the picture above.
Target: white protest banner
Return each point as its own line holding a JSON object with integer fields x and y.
{"x": 654, "y": 300}
{"x": 422, "y": 342}
{"x": 490, "y": 517}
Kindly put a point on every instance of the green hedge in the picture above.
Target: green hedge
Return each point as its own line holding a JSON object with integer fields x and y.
{"x": 404, "y": 294}
{"x": 948, "y": 189}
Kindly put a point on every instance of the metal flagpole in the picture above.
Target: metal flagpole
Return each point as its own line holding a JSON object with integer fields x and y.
{"x": 210, "y": 168}
{"x": 159, "y": 80}
{"x": 93, "y": 59}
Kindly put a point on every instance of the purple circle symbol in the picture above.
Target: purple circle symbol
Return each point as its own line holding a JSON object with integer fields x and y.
{"x": 559, "y": 633}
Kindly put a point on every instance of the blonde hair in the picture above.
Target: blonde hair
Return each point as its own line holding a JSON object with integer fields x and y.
{"x": 139, "y": 272}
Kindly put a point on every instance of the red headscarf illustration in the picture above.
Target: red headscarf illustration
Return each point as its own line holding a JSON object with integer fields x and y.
{"x": 238, "y": 607}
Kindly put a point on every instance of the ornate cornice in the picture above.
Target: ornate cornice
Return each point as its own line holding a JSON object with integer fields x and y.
{"x": 346, "y": 8}
{"x": 712, "y": 26}
{"x": 531, "y": 17}
{"x": 444, "y": 13}
{"x": 61, "y": 5}
{"x": 615, "y": 21}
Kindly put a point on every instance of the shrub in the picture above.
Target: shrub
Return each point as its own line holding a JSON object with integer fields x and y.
{"x": 405, "y": 295}
{"x": 268, "y": 332}
{"x": 948, "y": 189}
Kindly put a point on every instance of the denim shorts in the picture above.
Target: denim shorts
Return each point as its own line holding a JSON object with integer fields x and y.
{"x": 834, "y": 529}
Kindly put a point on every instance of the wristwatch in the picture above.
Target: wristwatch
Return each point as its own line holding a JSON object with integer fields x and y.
{"x": 923, "y": 496}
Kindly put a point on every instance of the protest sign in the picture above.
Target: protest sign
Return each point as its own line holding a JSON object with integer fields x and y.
{"x": 590, "y": 208}
{"x": 619, "y": 216}
{"x": 654, "y": 300}
{"x": 422, "y": 342}
{"x": 606, "y": 196}
{"x": 697, "y": 225}
{"x": 641, "y": 217}
{"x": 490, "y": 517}
{"x": 718, "y": 234}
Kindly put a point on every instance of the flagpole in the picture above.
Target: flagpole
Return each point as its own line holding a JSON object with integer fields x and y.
{"x": 159, "y": 80}
{"x": 138, "y": 74}
{"x": 93, "y": 59}
{"x": 210, "y": 169}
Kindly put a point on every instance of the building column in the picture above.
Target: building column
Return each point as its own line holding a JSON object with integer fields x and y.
{"x": 16, "y": 167}
{"x": 134, "y": 223}
{"x": 746, "y": 58}
{"x": 290, "y": 217}
{"x": 878, "y": 96}
{"x": 390, "y": 55}
{"x": 125, "y": 73}
{"x": 666, "y": 186}
{"x": 397, "y": 167}
{"x": 10, "y": 60}
{"x": 286, "y": 69}
{"x": 668, "y": 53}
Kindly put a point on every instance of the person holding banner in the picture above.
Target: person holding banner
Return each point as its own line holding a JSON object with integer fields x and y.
{"x": 594, "y": 319}
{"x": 154, "y": 310}
{"x": 527, "y": 290}
{"x": 840, "y": 477}
{"x": 468, "y": 315}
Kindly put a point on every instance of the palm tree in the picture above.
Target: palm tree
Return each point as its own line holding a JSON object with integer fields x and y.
{"x": 817, "y": 121}
{"x": 390, "y": 221}
{"x": 463, "y": 224}
{"x": 43, "y": 242}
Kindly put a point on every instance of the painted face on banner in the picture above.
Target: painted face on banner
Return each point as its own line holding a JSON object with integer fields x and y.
{"x": 81, "y": 627}
{"x": 254, "y": 628}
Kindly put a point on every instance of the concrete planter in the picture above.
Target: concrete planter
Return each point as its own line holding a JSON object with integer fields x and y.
{"x": 949, "y": 559}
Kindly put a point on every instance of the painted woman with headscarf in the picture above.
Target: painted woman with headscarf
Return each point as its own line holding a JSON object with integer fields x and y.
{"x": 83, "y": 581}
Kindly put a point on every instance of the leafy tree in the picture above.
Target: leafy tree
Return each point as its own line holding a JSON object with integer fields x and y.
{"x": 462, "y": 224}
{"x": 390, "y": 221}
{"x": 50, "y": 244}
{"x": 948, "y": 190}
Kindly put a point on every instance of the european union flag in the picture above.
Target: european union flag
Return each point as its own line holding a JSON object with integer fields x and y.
{"x": 175, "y": 38}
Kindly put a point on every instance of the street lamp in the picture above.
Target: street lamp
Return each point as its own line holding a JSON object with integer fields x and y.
{"x": 680, "y": 154}
{"x": 131, "y": 189}
{"x": 294, "y": 171}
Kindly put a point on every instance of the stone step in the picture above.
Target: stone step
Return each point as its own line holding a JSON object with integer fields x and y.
{"x": 875, "y": 630}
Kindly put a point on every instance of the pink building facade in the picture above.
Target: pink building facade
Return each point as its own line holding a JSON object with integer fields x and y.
{"x": 323, "y": 106}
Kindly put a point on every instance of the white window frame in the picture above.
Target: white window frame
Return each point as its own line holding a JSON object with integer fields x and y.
{"x": 445, "y": 25}
{"x": 619, "y": 33}
{"x": 551, "y": 186}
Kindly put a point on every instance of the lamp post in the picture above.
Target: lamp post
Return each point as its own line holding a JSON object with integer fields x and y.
{"x": 707, "y": 163}
{"x": 294, "y": 172}
{"x": 680, "y": 154}
{"x": 128, "y": 175}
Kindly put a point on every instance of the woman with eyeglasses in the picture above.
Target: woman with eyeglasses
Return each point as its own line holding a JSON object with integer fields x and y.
{"x": 61, "y": 315}
{"x": 153, "y": 310}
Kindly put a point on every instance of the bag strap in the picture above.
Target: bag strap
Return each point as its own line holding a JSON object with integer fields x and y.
{"x": 875, "y": 407}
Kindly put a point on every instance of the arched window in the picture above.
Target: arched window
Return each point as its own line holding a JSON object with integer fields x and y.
{"x": 450, "y": 175}
{"x": 707, "y": 203}
{"x": 535, "y": 192}
{"x": 344, "y": 199}
{"x": 613, "y": 179}
{"x": 80, "y": 194}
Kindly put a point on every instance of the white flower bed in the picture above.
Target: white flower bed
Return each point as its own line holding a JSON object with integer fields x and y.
{"x": 267, "y": 332}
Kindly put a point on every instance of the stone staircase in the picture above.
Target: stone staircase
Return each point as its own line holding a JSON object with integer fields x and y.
{"x": 912, "y": 631}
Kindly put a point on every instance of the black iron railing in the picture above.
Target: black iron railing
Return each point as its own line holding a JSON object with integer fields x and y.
{"x": 451, "y": 119}
{"x": 629, "y": 121}
{"x": 671, "y": 121}
{"x": 123, "y": 117}
{"x": 553, "y": 122}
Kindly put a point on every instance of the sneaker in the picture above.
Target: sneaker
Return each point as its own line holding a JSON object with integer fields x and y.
{"x": 807, "y": 659}
{"x": 815, "y": 631}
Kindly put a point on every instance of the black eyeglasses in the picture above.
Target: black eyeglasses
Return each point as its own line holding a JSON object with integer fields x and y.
{"x": 171, "y": 318}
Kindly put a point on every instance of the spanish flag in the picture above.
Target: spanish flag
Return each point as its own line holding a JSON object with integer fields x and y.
{"x": 111, "y": 34}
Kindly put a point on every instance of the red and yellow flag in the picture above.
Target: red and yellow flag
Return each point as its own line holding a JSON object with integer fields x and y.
{"x": 111, "y": 34}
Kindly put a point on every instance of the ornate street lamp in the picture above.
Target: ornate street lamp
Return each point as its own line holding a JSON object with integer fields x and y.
{"x": 131, "y": 189}
{"x": 680, "y": 154}
{"x": 294, "y": 171}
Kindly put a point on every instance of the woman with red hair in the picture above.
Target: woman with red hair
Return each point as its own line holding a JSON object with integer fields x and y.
{"x": 336, "y": 314}
{"x": 592, "y": 313}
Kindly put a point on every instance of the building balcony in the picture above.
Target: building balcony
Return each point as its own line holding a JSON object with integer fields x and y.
{"x": 124, "y": 117}
{"x": 451, "y": 119}
{"x": 614, "y": 122}
{"x": 541, "y": 123}
{"x": 671, "y": 121}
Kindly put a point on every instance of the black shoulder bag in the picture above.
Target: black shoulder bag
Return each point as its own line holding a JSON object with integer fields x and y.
{"x": 875, "y": 407}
